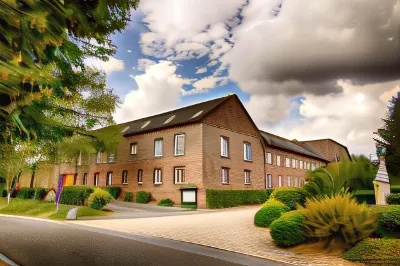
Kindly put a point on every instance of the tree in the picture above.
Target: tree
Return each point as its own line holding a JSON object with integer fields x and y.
{"x": 44, "y": 84}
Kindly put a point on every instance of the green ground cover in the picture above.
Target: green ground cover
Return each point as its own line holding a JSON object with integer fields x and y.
{"x": 41, "y": 209}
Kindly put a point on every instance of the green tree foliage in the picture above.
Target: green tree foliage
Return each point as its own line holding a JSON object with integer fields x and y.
{"x": 45, "y": 89}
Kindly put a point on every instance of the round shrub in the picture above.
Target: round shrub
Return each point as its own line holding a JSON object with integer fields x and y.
{"x": 143, "y": 197}
{"x": 166, "y": 203}
{"x": 99, "y": 198}
{"x": 289, "y": 230}
{"x": 270, "y": 211}
{"x": 389, "y": 223}
{"x": 128, "y": 196}
{"x": 393, "y": 199}
{"x": 290, "y": 196}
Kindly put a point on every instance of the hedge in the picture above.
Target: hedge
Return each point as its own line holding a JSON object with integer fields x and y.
{"x": 114, "y": 191}
{"x": 26, "y": 193}
{"x": 75, "y": 195}
{"x": 365, "y": 196}
{"x": 165, "y": 203}
{"x": 290, "y": 196}
{"x": 143, "y": 197}
{"x": 216, "y": 199}
{"x": 99, "y": 198}
{"x": 4, "y": 193}
{"x": 375, "y": 251}
{"x": 395, "y": 189}
{"x": 389, "y": 223}
{"x": 128, "y": 196}
{"x": 393, "y": 199}
{"x": 270, "y": 211}
{"x": 289, "y": 230}
{"x": 40, "y": 193}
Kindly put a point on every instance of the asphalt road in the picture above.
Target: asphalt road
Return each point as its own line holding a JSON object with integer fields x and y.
{"x": 34, "y": 242}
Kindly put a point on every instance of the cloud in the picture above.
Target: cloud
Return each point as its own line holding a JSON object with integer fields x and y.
{"x": 144, "y": 63}
{"x": 159, "y": 90}
{"x": 188, "y": 50}
{"x": 268, "y": 109}
{"x": 201, "y": 70}
{"x": 112, "y": 65}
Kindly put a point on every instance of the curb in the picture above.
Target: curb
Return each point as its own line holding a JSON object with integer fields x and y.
{"x": 31, "y": 218}
{"x": 7, "y": 260}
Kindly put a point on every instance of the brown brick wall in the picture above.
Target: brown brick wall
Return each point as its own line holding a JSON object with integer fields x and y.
{"x": 329, "y": 148}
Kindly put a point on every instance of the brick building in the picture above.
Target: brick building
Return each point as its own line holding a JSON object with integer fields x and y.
{"x": 214, "y": 144}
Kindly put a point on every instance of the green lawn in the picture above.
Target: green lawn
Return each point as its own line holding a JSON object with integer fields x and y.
{"x": 40, "y": 209}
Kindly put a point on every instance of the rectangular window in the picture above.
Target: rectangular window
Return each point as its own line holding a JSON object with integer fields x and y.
{"x": 225, "y": 175}
{"x": 269, "y": 181}
{"x": 301, "y": 165}
{"x": 294, "y": 163}
{"x": 247, "y": 151}
{"x": 125, "y": 177}
{"x": 111, "y": 158}
{"x": 157, "y": 176}
{"x": 268, "y": 158}
{"x": 179, "y": 175}
{"x": 133, "y": 148}
{"x": 158, "y": 147}
{"x": 278, "y": 160}
{"x": 84, "y": 181}
{"x": 279, "y": 181}
{"x": 247, "y": 177}
{"x": 109, "y": 179}
{"x": 140, "y": 176}
{"x": 99, "y": 158}
{"x": 179, "y": 144}
{"x": 79, "y": 162}
{"x": 288, "y": 181}
{"x": 96, "y": 179}
{"x": 224, "y": 146}
{"x": 287, "y": 162}
{"x": 308, "y": 166}
{"x": 295, "y": 181}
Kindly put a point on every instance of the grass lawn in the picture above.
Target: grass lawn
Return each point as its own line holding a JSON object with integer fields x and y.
{"x": 40, "y": 209}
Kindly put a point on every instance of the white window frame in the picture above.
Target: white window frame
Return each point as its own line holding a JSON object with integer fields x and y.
{"x": 140, "y": 180}
{"x": 278, "y": 160}
{"x": 99, "y": 158}
{"x": 109, "y": 178}
{"x": 96, "y": 179}
{"x": 157, "y": 176}
{"x": 133, "y": 148}
{"x": 125, "y": 178}
{"x": 288, "y": 181}
{"x": 287, "y": 162}
{"x": 295, "y": 182}
{"x": 224, "y": 146}
{"x": 268, "y": 157}
{"x": 176, "y": 144}
{"x": 279, "y": 181}
{"x": 294, "y": 163}
{"x": 179, "y": 179}
{"x": 161, "y": 147}
{"x": 247, "y": 153}
{"x": 301, "y": 164}
{"x": 85, "y": 177}
{"x": 224, "y": 175}
{"x": 247, "y": 174}
{"x": 269, "y": 181}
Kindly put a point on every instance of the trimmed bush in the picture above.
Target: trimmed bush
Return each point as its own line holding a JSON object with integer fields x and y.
{"x": 166, "y": 203}
{"x": 375, "y": 251}
{"x": 395, "y": 189}
{"x": 99, "y": 198}
{"x": 393, "y": 199}
{"x": 389, "y": 223}
{"x": 128, "y": 196}
{"x": 290, "y": 196}
{"x": 289, "y": 230}
{"x": 75, "y": 195}
{"x": 114, "y": 191}
{"x": 143, "y": 197}
{"x": 268, "y": 192}
{"x": 40, "y": 193}
{"x": 216, "y": 199}
{"x": 26, "y": 193}
{"x": 4, "y": 193}
{"x": 365, "y": 196}
{"x": 270, "y": 211}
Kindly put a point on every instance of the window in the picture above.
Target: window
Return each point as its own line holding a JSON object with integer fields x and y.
{"x": 96, "y": 179}
{"x": 278, "y": 160}
{"x": 134, "y": 148}
{"x": 109, "y": 179}
{"x": 179, "y": 175}
{"x": 268, "y": 158}
{"x": 125, "y": 177}
{"x": 287, "y": 162}
{"x": 140, "y": 176}
{"x": 247, "y": 151}
{"x": 179, "y": 144}
{"x": 99, "y": 158}
{"x": 224, "y": 146}
{"x": 197, "y": 114}
{"x": 225, "y": 175}
{"x": 301, "y": 165}
{"x": 158, "y": 147}
{"x": 302, "y": 182}
{"x": 313, "y": 166}
{"x": 84, "y": 181}
{"x": 269, "y": 181}
{"x": 247, "y": 177}
{"x": 294, "y": 163}
{"x": 295, "y": 181}
{"x": 308, "y": 166}
{"x": 146, "y": 124}
{"x": 288, "y": 181}
{"x": 111, "y": 158}
{"x": 169, "y": 119}
{"x": 279, "y": 181}
{"x": 79, "y": 162}
{"x": 157, "y": 176}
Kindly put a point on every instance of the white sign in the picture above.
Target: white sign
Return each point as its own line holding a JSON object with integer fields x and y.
{"x": 189, "y": 196}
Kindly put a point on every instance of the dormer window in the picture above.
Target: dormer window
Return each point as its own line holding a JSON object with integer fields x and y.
{"x": 146, "y": 124}
{"x": 125, "y": 129}
{"x": 169, "y": 119}
{"x": 197, "y": 114}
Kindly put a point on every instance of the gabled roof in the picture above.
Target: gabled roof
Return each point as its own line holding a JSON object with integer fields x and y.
{"x": 185, "y": 115}
{"x": 308, "y": 141}
{"x": 288, "y": 145}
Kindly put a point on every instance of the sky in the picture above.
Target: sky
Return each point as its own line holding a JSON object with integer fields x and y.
{"x": 303, "y": 69}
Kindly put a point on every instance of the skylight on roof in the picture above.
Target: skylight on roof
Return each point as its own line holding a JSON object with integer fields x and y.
{"x": 197, "y": 114}
{"x": 169, "y": 119}
{"x": 125, "y": 129}
{"x": 146, "y": 124}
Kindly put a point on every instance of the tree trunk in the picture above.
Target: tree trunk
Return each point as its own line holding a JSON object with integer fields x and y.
{"x": 32, "y": 178}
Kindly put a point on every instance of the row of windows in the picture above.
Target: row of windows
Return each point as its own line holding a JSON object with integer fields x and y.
{"x": 247, "y": 153}
{"x": 179, "y": 146}
{"x": 290, "y": 181}
{"x": 225, "y": 176}
{"x": 179, "y": 177}
{"x": 291, "y": 162}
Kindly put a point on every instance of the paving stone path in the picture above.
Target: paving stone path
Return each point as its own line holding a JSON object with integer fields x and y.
{"x": 231, "y": 230}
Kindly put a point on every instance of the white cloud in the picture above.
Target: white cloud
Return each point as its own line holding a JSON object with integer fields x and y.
{"x": 201, "y": 70}
{"x": 205, "y": 84}
{"x": 188, "y": 50}
{"x": 112, "y": 65}
{"x": 144, "y": 63}
{"x": 268, "y": 109}
{"x": 159, "y": 89}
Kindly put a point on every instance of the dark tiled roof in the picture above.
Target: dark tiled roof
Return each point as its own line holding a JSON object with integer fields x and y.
{"x": 307, "y": 142}
{"x": 288, "y": 145}
{"x": 181, "y": 116}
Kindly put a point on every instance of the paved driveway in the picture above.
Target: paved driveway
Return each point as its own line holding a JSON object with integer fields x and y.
{"x": 230, "y": 229}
